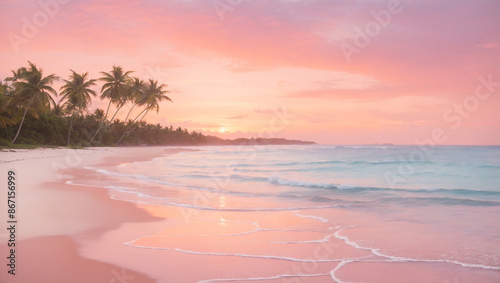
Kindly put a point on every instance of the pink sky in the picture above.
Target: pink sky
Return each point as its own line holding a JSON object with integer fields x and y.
{"x": 277, "y": 67}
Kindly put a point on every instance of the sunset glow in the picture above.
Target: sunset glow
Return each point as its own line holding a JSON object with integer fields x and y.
{"x": 334, "y": 72}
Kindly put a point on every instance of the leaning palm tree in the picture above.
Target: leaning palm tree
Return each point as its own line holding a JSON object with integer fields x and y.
{"x": 135, "y": 94}
{"x": 78, "y": 93}
{"x": 32, "y": 92}
{"x": 153, "y": 95}
{"x": 114, "y": 89}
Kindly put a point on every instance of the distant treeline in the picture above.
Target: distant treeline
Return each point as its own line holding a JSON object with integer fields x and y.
{"x": 51, "y": 130}
{"x": 30, "y": 116}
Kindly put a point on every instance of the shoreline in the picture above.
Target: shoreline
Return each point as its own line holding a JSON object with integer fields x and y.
{"x": 84, "y": 224}
{"x": 52, "y": 215}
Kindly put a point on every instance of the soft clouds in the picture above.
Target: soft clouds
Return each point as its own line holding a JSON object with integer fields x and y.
{"x": 272, "y": 53}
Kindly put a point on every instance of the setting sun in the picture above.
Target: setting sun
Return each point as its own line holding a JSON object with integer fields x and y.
{"x": 338, "y": 77}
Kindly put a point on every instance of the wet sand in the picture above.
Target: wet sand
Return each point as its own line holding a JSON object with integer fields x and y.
{"x": 69, "y": 232}
{"x": 51, "y": 215}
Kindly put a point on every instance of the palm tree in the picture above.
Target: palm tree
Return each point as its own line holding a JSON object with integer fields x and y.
{"x": 153, "y": 95}
{"x": 98, "y": 114}
{"x": 136, "y": 92}
{"x": 59, "y": 110}
{"x": 114, "y": 89}
{"x": 3, "y": 88}
{"x": 16, "y": 74}
{"x": 115, "y": 86}
{"x": 32, "y": 91}
{"x": 4, "y": 98}
{"x": 78, "y": 94}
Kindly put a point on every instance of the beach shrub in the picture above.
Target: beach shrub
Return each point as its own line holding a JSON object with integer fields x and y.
{"x": 6, "y": 143}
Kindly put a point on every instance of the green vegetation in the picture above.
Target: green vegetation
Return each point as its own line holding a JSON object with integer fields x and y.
{"x": 31, "y": 91}
{"x": 29, "y": 116}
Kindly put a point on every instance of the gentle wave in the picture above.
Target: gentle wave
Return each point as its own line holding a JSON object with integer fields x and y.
{"x": 467, "y": 196}
{"x": 322, "y": 162}
{"x": 446, "y": 201}
{"x": 402, "y": 193}
{"x": 436, "y": 196}
{"x": 181, "y": 185}
{"x": 281, "y": 181}
{"x": 317, "y": 188}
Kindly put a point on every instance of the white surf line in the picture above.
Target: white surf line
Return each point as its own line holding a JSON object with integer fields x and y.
{"x": 390, "y": 258}
{"x": 257, "y": 229}
{"x": 164, "y": 201}
{"x": 148, "y": 179}
{"x": 125, "y": 190}
{"x": 294, "y": 230}
{"x": 130, "y": 244}
{"x": 207, "y": 235}
{"x": 324, "y": 240}
{"x": 323, "y": 220}
{"x": 340, "y": 265}
{"x": 205, "y": 208}
{"x": 145, "y": 178}
{"x": 355, "y": 245}
{"x": 263, "y": 278}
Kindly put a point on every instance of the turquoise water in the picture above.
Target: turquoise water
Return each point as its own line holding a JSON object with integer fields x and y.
{"x": 400, "y": 204}
{"x": 348, "y": 175}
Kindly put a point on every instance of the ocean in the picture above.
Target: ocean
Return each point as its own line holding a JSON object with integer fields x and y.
{"x": 374, "y": 213}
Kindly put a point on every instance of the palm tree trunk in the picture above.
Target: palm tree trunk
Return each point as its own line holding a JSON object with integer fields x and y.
{"x": 22, "y": 121}
{"x": 70, "y": 126}
{"x": 102, "y": 123}
{"x": 129, "y": 112}
{"x": 127, "y": 131}
{"x": 135, "y": 126}
{"x": 116, "y": 112}
{"x": 107, "y": 110}
{"x": 111, "y": 120}
{"x": 99, "y": 129}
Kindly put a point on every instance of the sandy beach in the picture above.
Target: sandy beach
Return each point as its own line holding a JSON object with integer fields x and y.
{"x": 165, "y": 214}
{"x": 68, "y": 233}
{"x": 52, "y": 214}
